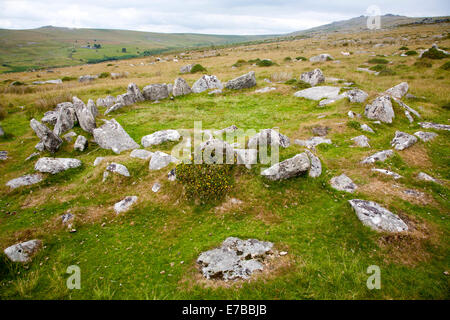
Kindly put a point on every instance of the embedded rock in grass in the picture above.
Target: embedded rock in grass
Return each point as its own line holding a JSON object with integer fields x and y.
{"x": 112, "y": 136}
{"x": 388, "y": 173}
{"x": 108, "y": 102}
{"x": 247, "y": 80}
{"x": 85, "y": 117}
{"x": 398, "y": 91}
{"x": 113, "y": 108}
{"x": 312, "y": 142}
{"x": 288, "y": 168}
{"x": 235, "y": 259}
{"x": 365, "y": 127}
{"x": 50, "y": 141}
{"x": 229, "y": 129}
{"x": 180, "y": 87}
{"x": 328, "y": 101}
{"x": 403, "y": 140}
{"x": 320, "y": 131}
{"x": 319, "y": 93}
{"x": 356, "y": 95}
{"x": 69, "y": 136}
{"x": 50, "y": 117}
{"x": 265, "y": 90}
{"x": 118, "y": 168}
{"x": 425, "y": 136}
{"x": 126, "y": 99}
{"x": 3, "y": 155}
{"x": 159, "y": 137}
{"x": 380, "y": 109}
{"x": 172, "y": 175}
{"x": 133, "y": 90}
{"x": 436, "y": 126}
{"x": 207, "y": 82}
{"x": 313, "y": 77}
{"x": 361, "y": 141}
{"x": 425, "y": 177}
{"x": 156, "y": 187}
{"x": 316, "y": 166}
{"x": 66, "y": 118}
{"x": 56, "y": 165}
{"x": 268, "y": 137}
{"x": 40, "y": 146}
{"x": 98, "y": 160}
{"x": 186, "y": 69}
{"x": 321, "y": 58}
{"x": 343, "y": 183}
{"x": 141, "y": 154}
{"x": 156, "y": 92}
{"x": 22, "y": 252}
{"x": 376, "y": 217}
{"x": 25, "y": 180}
{"x": 87, "y": 78}
{"x": 379, "y": 156}
{"x": 31, "y": 156}
{"x": 81, "y": 143}
{"x": 160, "y": 160}
{"x": 125, "y": 204}
{"x": 247, "y": 157}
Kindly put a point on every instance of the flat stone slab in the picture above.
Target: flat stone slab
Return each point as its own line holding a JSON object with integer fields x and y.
{"x": 379, "y": 156}
{"x": 288, "y": 168}
{"x": 436, "y": 126}
{"x": 112, "y": 136}
{"x": 403, "y": 140}
{"x": 268, "y": 137}
{"x": 318, "y": 93}
{"x": 56, "y": 165}
{"x": 25, "y": 180}
{"x": 343, "y": 183}
{"x": 22, "y": 252}
{"x": 376, "y": 217}
{"x": 118, "y": 168}
{"x": 312, "y": 142}
{"x": 141, "y": 154}
{"x": 161, "y": 160}
{"x": 425, "y": 136}
{"x": 388, "y": 173}
{"x": 159, "y": 137}
{"x": 125, "y": 204}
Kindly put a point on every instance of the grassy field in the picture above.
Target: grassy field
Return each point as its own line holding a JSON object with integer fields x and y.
{"x": 329, "y": 250}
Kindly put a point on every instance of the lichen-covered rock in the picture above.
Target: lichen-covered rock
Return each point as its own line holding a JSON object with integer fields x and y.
{"x": 207, "y": 82}
{"x": 379, "y": 156}
{"x": 265, "y": 90}
{"x": 235, "y": 259}
{"x": 156, "y": 92}
{"x": 365, "y": 127}
{"x": 319, "y": 93}
{"x": 25, "y": 180}
{"x": 92, "y": 107}
{"x": 387, "y": 173}
{"x": 312, "y": 142}
{"x": 321, "y": 58}
{"x": 65, "y": 119}
{"x": 436, "y": 126}
{"x": 85, "y": 118}
{"x": 118, "y": 168}
{"x": 343, "y": 183}
{"x": 380, "y": 109}
{"x": 288, "y": 168}
{"x": 246, "y": 157}
{"x": 398, "y": 91}
{"x": 98, "y": 160}
{"x": 133, "y": 90}
{"x": 108, "y": 102}
{"x": 316, "y": 166}
{"x": 361, "y": 141}
{"x": 313, "y": 77}
{"x": 22, "y": 252}
{"x": 159, "y": 137}
{"x": 81, "y": 143}
{"x": 161, "y": 160}
{"x": 186, "y": 69}
{"x": 141, "y": 154}
{"x": 50, "y": 141}
{"x": 268, "y": 137}
{"x": 125, "y": 204}
{"x": 180, "y": 87}
{"x": 156, "y": 186}
{"x": 229, "y": 129}
{"x": 356, "y": 95}
{"x": 403, "y": 140}
{"x": 3, "y": 155}
{"x": 425, "y": 136}
{"x": 49, "y": 117}
{"x": 69, "y": 136}
{"x": 425, "y": 177}
{"x": 247, "y": 80}
{"x": 376, "y": 217}
{"x": 56, "y": 165}
{"x": 112, "y": 136}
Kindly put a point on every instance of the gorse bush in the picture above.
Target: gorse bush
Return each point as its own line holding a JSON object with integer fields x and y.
{"x": 378, "y": 61}
{"x": 65, "y": 79}
{"x": 240, "y": 63}
{"x": 265, "y": 63}
{"x": 104, "y": 75}
{"x": 404, "y": 48}
{"x": 301, "y": 58}
{"x": 198, "y": 68}
{"x": 411, "y": 53}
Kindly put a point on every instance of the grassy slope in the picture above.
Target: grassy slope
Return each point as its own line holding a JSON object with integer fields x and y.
{"x": 329, "y": 249}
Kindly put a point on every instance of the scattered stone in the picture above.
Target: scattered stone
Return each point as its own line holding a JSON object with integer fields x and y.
{"x": 180, "y": 88}
{"x": 81, "y": 143}
{"x": 368, "y": 71}
{"x": 25, "y": 180}
{"x": 288, "y": 168}
{"x": 316, "y": 166}
{"x": 33, "y": 155}
{"x": 112, "y": 136}
{"x": 343, "y": 183}
{"x": 388, "y": 173}
{"x": 216, "y": 91}
{"x": 268, "y": 137}
{"x": 425, "y": 177}
{"x": 87, "y": 78}
{"x": 156, "y": 187}
{"x": 118, "y": 168}
{"x": 356, "y": 95}
{"x": 398, "y": 91}
{"x": 56, "y": 165}
{"x": 376, "y": 217}
{"x": 247, "y": 157}
{"x": 156, "y": 92}
{"x": 66, "y": 118}
{"x": 265, "y": 90}
{"x": 321, "y": 58}
{"x": 3, "y": 155}
{"x": 141, "y": 154}
{"x": 92, "y": 108}
{"x": 22, "y": 252}
{"x": 98, "y": 160}
{"x": 66, "y": 218}
{"x": 403, "y": 140}
{"x": 408, "y": 109}
{"x": 85, "y": 118}
{"x": 50, "y": 117}
{"x": 133, "y": 90}
{"x": 235, "y": 259}
{"x": 125, "y": 204}
{"x": 318, "y": 93}
{"x": 2, "y": 132}
{"x": 206, "y": 82}
{"x": 50, "y": 141}
{"x": 313, "y": 77}
{"x": 40, "y": 146}
{"x": 108, "y": 102}
{"x": 361, "y": 141}
{"x": 247, "y": 80}
{"x": 320, "y": 131}
{"x": 312, "y": 142}
{"x": 161, "y": 160}
{"x": 159, "y": 137}
{"x": 425, "y": 136}
{"x": 436, "y": 126}
{"x": 229, "y": 129}
{"x": 186, "y": 69}
{"x": 69, "y": 136}
{"x": 379, "y": 156}
{"x": 380, "y": 109}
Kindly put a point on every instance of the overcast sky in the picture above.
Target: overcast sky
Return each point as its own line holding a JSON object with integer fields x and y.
{"x": 202, "y": 16}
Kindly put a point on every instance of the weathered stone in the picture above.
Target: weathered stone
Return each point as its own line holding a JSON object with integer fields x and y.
{"x": 33, "y": 155}
{"x": 379, "y": 156}
{"x": 343, "y": 183}
{"x": 356, "y": 95}
{"x": 320, "y": 131}
{"x": 141, "y": 154}
{"x": 229, "y": 129}
{"x": 112, "y": 136}
{"x": 87, "y": 78}
{"x": 50, "y": 117}
{"x": 25, "y": 180}
{"x": 425, "y": 136}
{"x": 206, "y": 82}
{"x": 388, "y": 173}
{"x": 126, "y": 99}
{"x": 114, "y": 107}
{"x": 321, "y": 58}
{"x": 22, "y": 252}
{"x": 328, "y": 101}
{"x": 156, "y": 92}
{"x": 92, "y": 108}
{"x": 133, "y": 90}
{"x": 268, "y": 137}
{"x": 215, "y": 151}
{"x": 247, "y": 80}
{"x": 425, "y": 177}
{"x": 319, "y": 93}
{"x": 436, "y": 126}
{"x": 81, "y": 143}
{"x": 56, "y": 165}
{"x": 235, "y": 259}
{"x": 316, "y": 166}
{"x": 118, "y": 168}
{"x": 186, "y": 69}
{"x": 156, "y": 186}
{"x": 161, "y": 160}
{"x": 265, "y": 90}
{"x": 172, "y": 176}
{"x": 66, "y": 119}
{"x": 312, "y": 142}
{"x": 2, "y": 132}
{"x": 365, "y": 127}
{"x": 50, "y": 141}
{"x": 376, "y": 217}
{"x": 98, "y": 160}
{"x": 107, "y": 102}
{"x": 3, "y": 155}
{"x": 288, "y": 168}
{"x": 361, "y": 141}
{"x": 380, "y": 109}
{"x": 159, "y": 137}
{"x": 403, "y": 140}
{"x": 125, "y": 204}
{"x": 313, "y": 77}
{"x": 246, "y": 157}
{"x": 398, "y": 91}
{"x": 40, "y": 146}
{"x": 85, "y": 118}
{"x": 69, "y": 136}
{"x": 180, "y": 87}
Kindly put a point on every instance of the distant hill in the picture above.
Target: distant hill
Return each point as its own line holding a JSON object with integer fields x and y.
{"x": 55, "y": 46}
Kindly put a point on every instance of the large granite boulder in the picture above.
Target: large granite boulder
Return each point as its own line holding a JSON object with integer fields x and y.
{"x": 56, "y": 165}
{"x": 319, "y": 93}
{"x": 133, "y": 90}
{"x": 207, "y": 82}
{"x": 403, "y": 140}
{"x": 66, "y": 118}
{"x": 25, "y": 180}
{"x": 112, "y": 136}
{"x": 288, "y": 168}
{"x": 156, "y": 92}
{"x": 159, "y": 137}
{"x": 247, "y": 80}
{"x": 343, "y": 183}
{"x": 380, "y": 109}
{"x": 313, "y": 77}
{"x": 268, "y": 137}
{"x": 22, "y": 252}
{"x": 376, "y": 217}
{"x": 50, "y": 141}
{"x": 85, "y": 117}
{"x": 180, "y": 87}
{"x": 398, "y": 91}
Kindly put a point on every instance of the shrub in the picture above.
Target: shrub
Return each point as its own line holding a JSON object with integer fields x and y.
{"x": 434, "y": 53}
{"x": 240, "y": 63}
{"x": 104, "y": 75}
{"x": 65, "y": 79}
{"x": 287, "y": 59}
{"x": 298, "y": 84}
{"x": 301, "y": 58}
{"x": 423, "y": 64}
{"x": 291, "y": 82}
{"x": 446, "y": 66}
{"x": 387, "y": 72}
{"x": 265, "y": 63}
{"x": 411, "y": 53}
{"x": 378, "y": 67}
{"x": 404, "y": 48}
{"x": 378, "y": 61}
{"x": 205, "y": 182}
{"x": 198, "y": 68}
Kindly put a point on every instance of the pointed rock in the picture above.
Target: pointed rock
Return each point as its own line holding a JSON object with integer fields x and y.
{"x": 112, "y": 136}
{"x": 50, "y": 141}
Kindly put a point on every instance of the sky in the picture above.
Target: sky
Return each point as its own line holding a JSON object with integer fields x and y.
{"x": 202, "y": 16}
